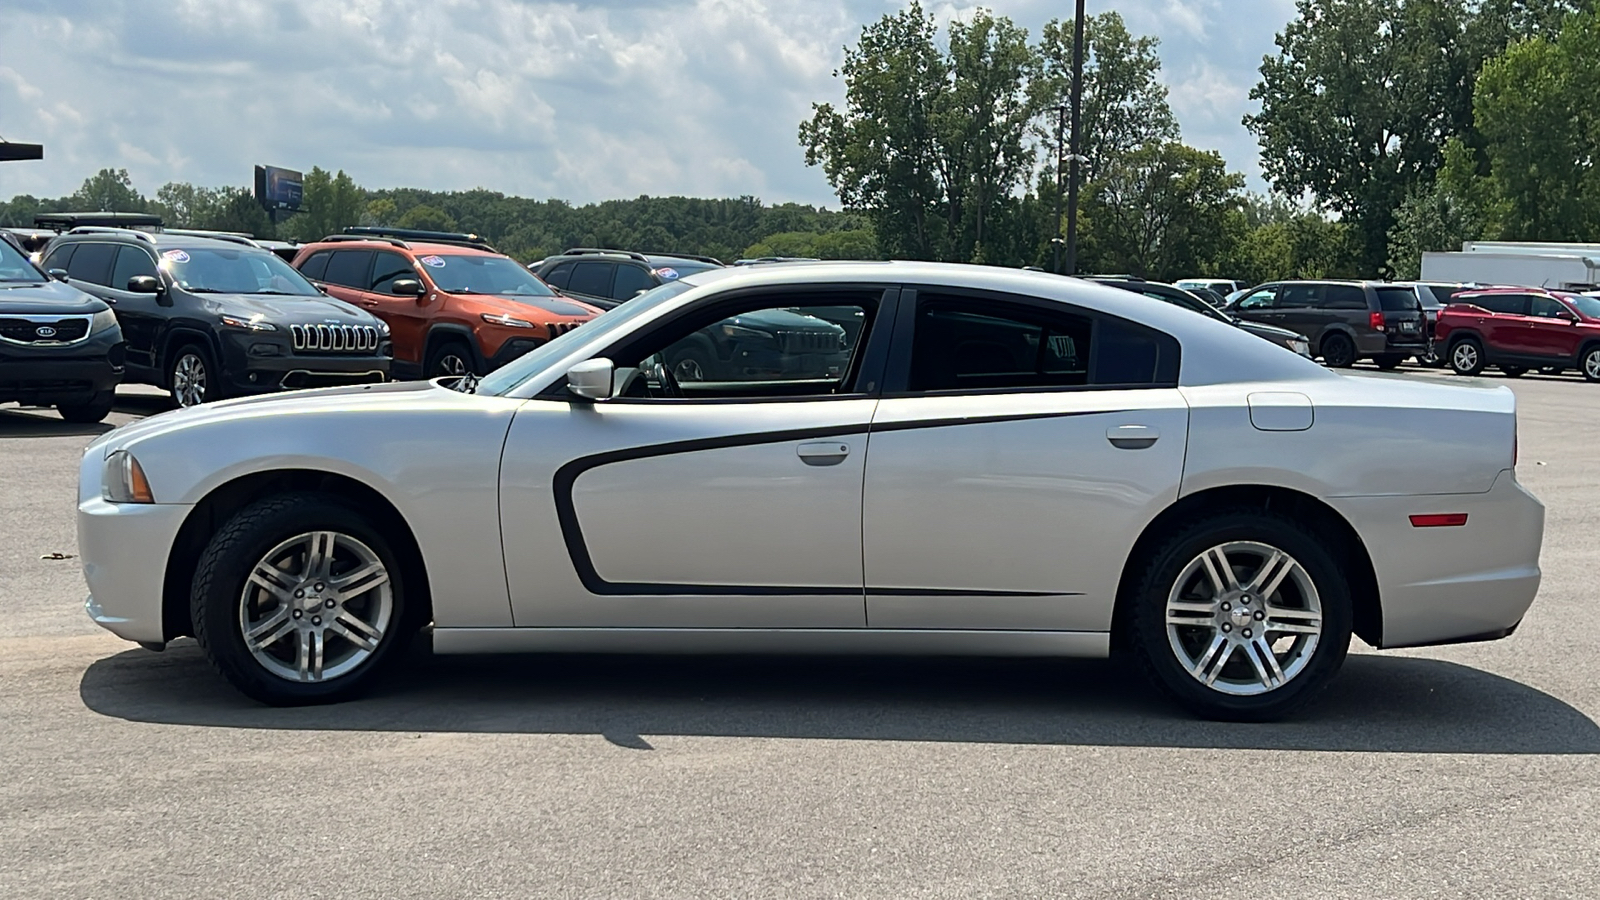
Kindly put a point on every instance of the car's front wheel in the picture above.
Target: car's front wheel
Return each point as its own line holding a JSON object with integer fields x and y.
{"x": 90, "y": 410}
{"x": 1514, "y": 371}
{"x": 299, "y": 599}
{"x": 1466, "y": 357}
{"x": 1389, "y": 361}
{"x": 451, "y": 358}
{"x": 191, "y": 378}
{"x": 1241, "y": 615}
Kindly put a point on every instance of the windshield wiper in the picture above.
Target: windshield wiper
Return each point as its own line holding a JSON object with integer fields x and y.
{"x": 194, "y": 290}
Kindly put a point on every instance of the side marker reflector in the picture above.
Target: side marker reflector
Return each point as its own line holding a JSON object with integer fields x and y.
{"x": 1439, "y": 520}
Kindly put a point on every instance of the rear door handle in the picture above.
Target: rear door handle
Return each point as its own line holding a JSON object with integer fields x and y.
{"x": 823, "y": 453}
{"x": 1133, "y": 437}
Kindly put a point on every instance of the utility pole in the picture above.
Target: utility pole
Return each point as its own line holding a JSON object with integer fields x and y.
{"x": 1075, "y": 159}
{"x": 1061, "y": 159}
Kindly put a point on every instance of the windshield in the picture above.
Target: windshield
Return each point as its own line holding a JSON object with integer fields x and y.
{"x": 463, "y": 274}
{"x": 14, "y": 266}
{"x": 1588, "y": 307}
{"x": 504, "y": 379}
{"x": 668, "y": 268}
{"x": 226, "y": 270}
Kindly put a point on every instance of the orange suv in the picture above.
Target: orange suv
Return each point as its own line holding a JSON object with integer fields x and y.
{"x": 453, "y": 305}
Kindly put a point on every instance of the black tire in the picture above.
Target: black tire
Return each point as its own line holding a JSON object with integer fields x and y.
{"x": 1589, "y": 363}
{"x": 1551, "y": 370}
{"x": 1171, "y": 565}
{"x": 1338, "y": 351}
{"x": 1514, "y": 371}
{"x": 1389, "y": 361}
{"x": 1466, "y": 356}
{"x": 690, "y": 365}
{"x": 1431, "y": 358}
{"x": 222, "y": 578}
{"x": 187, "y": 363}
{"x": 450, "y": 358}
{"x": 91, "y": 410}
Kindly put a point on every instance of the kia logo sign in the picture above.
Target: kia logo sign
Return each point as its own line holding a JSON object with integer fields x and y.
{"x": 45, "y": 331}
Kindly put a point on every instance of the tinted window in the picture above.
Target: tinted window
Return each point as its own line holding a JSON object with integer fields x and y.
{"x": 59, "y": 258}
{"x": 480, "y": 274}
{"x": 315, "y": 267}
{"x": 1503, "y": 304}
{"x": 1398, "y": 299}
{"x": 1441, "y": 293}
{"x": 1588, "y": 306}
{"x": 92, "y": 263}
{"x": 558, "y": 276}
{"x": 234, "y": 270}
{"x": 592, "y": 278}
{"x": 387, "y": 268}
{"x": 14, "y": 266}
{"x": 349, "y": 268}
{"x": 1261, "y": 299}
{"x": 1545, "y": 308}
{"x": 131, "y": 261}
{"x": 1344, "y": 296}
{"x": 1298, "y": 296}
{"x": 630, "y": 281}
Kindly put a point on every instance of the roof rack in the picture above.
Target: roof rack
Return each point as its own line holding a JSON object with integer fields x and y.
{"x": 459, "y": 239}
{"x": 232, "y": 237}
{"x": 602, "y": 251}
{"x": 705, "y": 259}
{"x": 63, "y": 221}
{"x": 107, "y": 229}
{"x": 396, "y": 242}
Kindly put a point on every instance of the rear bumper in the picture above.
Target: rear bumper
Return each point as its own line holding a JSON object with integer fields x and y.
{"x": 124, "y": 549}
{"x": 1448, "y": 585}
{"x": 1377, "y": 342}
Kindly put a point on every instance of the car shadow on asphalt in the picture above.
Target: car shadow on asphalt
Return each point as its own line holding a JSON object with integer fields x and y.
{"x": 32, "y": 423}
{"x": 1377, "y": 704}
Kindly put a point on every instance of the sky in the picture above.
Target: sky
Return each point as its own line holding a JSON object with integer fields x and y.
{"x": 581, "y": 101}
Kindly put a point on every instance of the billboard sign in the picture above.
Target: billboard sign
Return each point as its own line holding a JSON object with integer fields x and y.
{"x": 278, "y": 188}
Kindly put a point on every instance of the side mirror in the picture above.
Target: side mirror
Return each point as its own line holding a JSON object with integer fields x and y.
{"x": 592, "y": 379}
{"x": 406, "y": 287}
{"x": 58, "y": 274}
{"x": 144, "y": 284}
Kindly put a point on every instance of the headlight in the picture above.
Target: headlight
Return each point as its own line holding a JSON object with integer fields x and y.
{"x": 1301, "y": 347}
{"x": 508, "y": 321}
{"x": 253, "y": 323}
{"x": 383, "y": 328}
{"x": 103, "y": 319}
{"x": 739, "y": 332}
{"x": 123, "y": 481}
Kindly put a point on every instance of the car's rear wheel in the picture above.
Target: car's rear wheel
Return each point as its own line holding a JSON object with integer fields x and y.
{"x": 1338, "y": 351}
{"x": 1466, "y": 357}
{"x": 1591, "y": 363}
{"x": 452, "y": 358}
{"x": 690, "y": 365}
{"x": 192, "y": 379}
{"x": 1514, "y": 371}
{"x": 1389, "y": 361}
{"x": 1243, "y": 616}
{"x": 300, "y": 599}
{"x": 90, "y": 410}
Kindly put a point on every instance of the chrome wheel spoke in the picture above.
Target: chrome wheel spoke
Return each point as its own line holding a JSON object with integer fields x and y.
{"x": 1220, "y": 570}
{"x": 361, "y": 580}
{"x": 1265, "y": 663}
{"x": 271, "y": 630}
{"x": 319, "y": 554}
{"x": 1271, "y": 574}
{"x": 359, "y": 632}
{"x": 1292, "y": 621}
{"x": 274, "y": 581}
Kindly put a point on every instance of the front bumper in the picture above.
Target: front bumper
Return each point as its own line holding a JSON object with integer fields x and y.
{"x": 1445, "y": 585}
{"x": 248, "y": 371}
{"x": 61, "y": 374}
{"x": 124, "y": 549}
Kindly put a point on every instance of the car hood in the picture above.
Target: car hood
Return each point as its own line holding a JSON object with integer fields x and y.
{"x": 299, "y": 309}
{"x": 46, "y": 298}
{"x": 1262, "y": 329}
{"x": 784, "y": 320}
{"x": 556, "y": 306}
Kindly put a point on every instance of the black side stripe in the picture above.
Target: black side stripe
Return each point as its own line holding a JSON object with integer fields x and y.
{"x": 583, "y": 563}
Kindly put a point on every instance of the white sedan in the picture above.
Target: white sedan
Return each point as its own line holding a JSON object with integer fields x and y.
{"x": 832, "y": 457}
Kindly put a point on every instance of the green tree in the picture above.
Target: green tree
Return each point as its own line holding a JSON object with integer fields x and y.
{"x": 427, "y": 218}
{"x": 329, "y": 204}
{"x": 1159, "y": 211}
{"x": 931, "y": 145}
{"x": 108, "y": 190}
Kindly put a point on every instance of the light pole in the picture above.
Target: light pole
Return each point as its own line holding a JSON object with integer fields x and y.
{"x": 1061, "y": 156}
{"x": 1074, "y": 159}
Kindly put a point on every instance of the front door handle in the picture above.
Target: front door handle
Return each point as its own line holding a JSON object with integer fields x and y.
{"x": 823, "y": 453}
{"x": 1133, "y": 437}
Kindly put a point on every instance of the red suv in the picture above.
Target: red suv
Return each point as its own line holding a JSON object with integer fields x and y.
{"x": 1519, "y": 329}
{"x": 453, "y": 305}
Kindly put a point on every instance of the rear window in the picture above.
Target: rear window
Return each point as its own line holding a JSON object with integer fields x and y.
{"x": 1398, "y": 299}
{"x": 1443, "y": 292}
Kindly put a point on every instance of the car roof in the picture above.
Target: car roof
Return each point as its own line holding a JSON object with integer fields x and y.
{"x": 155, "y": 239}
{"x": 413, "y": 247}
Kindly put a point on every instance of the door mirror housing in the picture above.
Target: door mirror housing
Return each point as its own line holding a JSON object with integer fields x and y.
{"x": 406, "y": 287}
{"x": 144, "y": 284}
{"x": 58, "y": 274}
{"x": 592, "y": 379}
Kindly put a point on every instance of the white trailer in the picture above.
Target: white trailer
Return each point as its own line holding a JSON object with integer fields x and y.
{"x": 1558, "y": 271}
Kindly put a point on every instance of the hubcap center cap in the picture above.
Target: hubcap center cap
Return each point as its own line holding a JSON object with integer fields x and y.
{"x": 1240, "y": 616}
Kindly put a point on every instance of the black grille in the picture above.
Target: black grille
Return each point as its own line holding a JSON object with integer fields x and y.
{"x": 43, "y": 330}
{"x": 811, "y": 341}
{"x": 557, "y": 329}
{"x": 334, "y": 338}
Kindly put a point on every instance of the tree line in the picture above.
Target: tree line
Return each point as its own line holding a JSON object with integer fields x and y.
{"x": 1386, "y": 128}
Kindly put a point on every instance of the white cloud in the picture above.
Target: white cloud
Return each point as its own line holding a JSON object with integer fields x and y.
{"x": 579, "y": 100}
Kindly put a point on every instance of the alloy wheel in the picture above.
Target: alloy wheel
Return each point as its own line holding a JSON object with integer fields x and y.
{"x": 1465, "y": 357}
{"x": 189, "y": 380}
{"x": 688, "y": 369}
{"x": 1244, "y": 618}
{"x": 451, "y": 364}
{"x": 1591, "y": 364}
{"x": 316, "y": 606}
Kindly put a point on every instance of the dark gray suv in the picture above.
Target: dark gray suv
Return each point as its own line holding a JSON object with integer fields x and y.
{"x": 607, "y": 278}
{"x": 1345, "y": 320}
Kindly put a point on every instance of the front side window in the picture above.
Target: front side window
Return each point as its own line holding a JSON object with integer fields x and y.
{"x": 592, "y": 278}
{"x": 964, "y": 344}
{"x": 317, "y": 266}
{"x": 631, "y": 281}
{"x": 1262, "y": 299}
{"x": 131, "y": 262}
{"x": 387, "y": 269}
{"x": 92, "y": 263}
{"x": 59, "y": 258}
{"x": 559, "y": 275}
{"x": 1546, "y": 308}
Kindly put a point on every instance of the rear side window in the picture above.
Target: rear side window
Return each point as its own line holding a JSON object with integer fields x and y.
{"x": 349, "y": 268}
{"x": 1298, "y": 296}
{"x": 131, "y": 261}
{"x": 1344, "y": 296}
{"x": 962, "y": 344}
{"x": 1501, "y": 304}
{"x": 1442, "y": 292}
{"x": 592, "y": 278}
{"x": 1261, "y": 299}
{"x": 1398, "y": 299}
{"x": 92, "y": 263}
{"x": 630, "y": 281}
{"x": 315, "y": 267}
{"x": 559, "y": 275}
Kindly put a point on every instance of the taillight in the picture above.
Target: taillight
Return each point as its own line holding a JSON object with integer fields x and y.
{"x": 1376, "y": 320}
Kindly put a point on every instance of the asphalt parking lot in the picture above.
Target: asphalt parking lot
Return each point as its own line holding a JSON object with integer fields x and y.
{"x": 1459, "y": 771}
